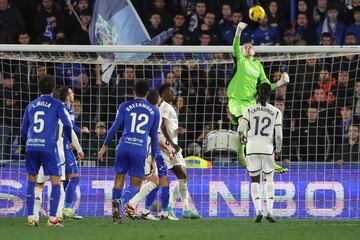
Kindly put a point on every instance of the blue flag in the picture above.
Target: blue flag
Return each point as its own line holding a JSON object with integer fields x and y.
{"x": 116, "y": 22}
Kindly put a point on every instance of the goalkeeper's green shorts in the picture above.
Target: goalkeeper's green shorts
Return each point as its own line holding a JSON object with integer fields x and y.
{"x": 237, "y": 108}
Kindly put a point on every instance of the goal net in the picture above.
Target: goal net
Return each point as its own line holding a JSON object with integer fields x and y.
{"x": 320, "y": 105}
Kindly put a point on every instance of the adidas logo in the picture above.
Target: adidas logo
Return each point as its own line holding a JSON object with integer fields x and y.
{"x": 37, "y": 198}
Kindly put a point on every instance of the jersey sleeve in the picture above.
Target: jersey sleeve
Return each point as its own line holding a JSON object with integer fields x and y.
{"x": 236, "y": 48}
{"x": 119, "y": 121}
{"x": 25, "y": 124}
{"x": 245, "y": 122}
{"x": 165, "y": 111}
{"x": 64, "y": 116}
{"x": 154, "y": 134}
{"x": 278, "y": 119}
{"x": 278, "y": 131}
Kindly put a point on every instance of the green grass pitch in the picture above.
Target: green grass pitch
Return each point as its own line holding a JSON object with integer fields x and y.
{"x": 15, "y": 228}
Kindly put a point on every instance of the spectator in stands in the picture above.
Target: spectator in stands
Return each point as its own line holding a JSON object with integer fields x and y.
{"x": 356, "y": 100}
{"x": 349, "y": 11}
{"x": 350, "y": 39}
{"x": 124, "y": 85}
{"x": 176, "y": 40}
{"x": 11, "y": 106}
{"x": 47, "y": 17}
{"x": 324, "y": 104}
{"x": 319, "y": 11}
{"x": 154, "y": 25}
{"x": 305, "y": 76}
{"x": 24, "y": 38}
{"x": 305, "y": 30}
{"x": 349, "y": 151}
{"x": 197, "y": 18}
{"x": 208, "y": 127}
{"x": 229, "y": 30}
{"x": 82, "y": 117}
{"x": 37, "y": 71}
{"x": 80, "y": 32}
{"x": 11, "y": 19}
{"x": 274, "y": 16}
{"x": 226, "y": 15}
{"x": 355, "y": 27}
{"x": 68, "y": 73}
{"x": 97, "y": 139}
{"x": 312, "y": 137}
{"x": 344, "y": 122}
{"x": 332, "y": 25}
{"x": 325, "y": 39}
{"x": 217, "y": 106}
{"x": 159, "y": 7}
{"x": 186, "y": 120}
{"x": 174, "y": 82}
{"x": 344, "y": 89}
{"x": 180, "y": 25}
{"x": 265, "y": 34}
{"x": 61, "y": 38}
{"x": 288, "y": 149}
{"x": 289, "y": 38}
{"x": 303, "y": 7}
{"x": 210, "y": 26}
{"x": 5, "y": 36}
{"x": 326, "y": 82}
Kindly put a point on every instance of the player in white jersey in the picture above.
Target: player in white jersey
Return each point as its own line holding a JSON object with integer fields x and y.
{"x": 262, "y": 121}
{"x": 170, "y": 129}
{"x": 42, "y": 178}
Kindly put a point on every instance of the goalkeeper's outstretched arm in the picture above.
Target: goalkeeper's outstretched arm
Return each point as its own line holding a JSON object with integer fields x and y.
{"x": 236, "y": 43}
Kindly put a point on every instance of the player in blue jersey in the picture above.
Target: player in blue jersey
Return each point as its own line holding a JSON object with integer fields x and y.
{"x": 39, "y": 130}
{"x": 66, "y": 95}
{"x": 139, "y": 120}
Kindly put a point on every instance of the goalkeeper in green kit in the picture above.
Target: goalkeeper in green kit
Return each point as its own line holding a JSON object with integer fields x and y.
{"x": 241, "y": 90}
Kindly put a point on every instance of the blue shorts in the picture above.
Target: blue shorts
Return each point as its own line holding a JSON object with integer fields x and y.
{"x": 49, "y": 161}
{"x": 161, "y": 166}
{"x": 71, "y": 163}
{"x": 129, "y": 162}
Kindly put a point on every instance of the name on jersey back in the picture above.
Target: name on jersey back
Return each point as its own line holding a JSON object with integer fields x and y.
{"x": 143, "y": 105}
{"x": 263, "y": 109}
{"x": 42, "y": 104}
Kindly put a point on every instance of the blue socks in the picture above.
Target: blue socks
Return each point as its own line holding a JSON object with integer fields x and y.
{"x": 70, "y": 191}
{"x": 54, "y": 200}
{"x": 128, "y": 194}
{"x": 116, "y": 193}
{"x": 150, "y": 198}
{"x": 30, "y": 197}
{"x": 164, "y": 197}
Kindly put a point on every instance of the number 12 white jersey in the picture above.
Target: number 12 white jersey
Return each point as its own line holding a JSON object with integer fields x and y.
{"x": 261, "y": 123}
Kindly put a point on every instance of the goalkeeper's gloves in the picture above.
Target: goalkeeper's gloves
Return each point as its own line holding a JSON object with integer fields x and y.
{"x": 284, "y": 79}
{"x": 241, "y": 26}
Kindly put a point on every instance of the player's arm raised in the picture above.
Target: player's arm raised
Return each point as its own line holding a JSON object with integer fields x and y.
{"x": 278, "y": 135}
{"x": 236, "y": 43}
{"x": 283, "y": 80}
{"x": 119, "y": 120}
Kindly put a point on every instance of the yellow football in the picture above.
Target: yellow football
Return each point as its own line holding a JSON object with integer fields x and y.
{"x": 256, "y": 13}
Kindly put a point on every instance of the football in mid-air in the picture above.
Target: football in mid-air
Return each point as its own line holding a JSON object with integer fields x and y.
{"x": 256, "y": 13}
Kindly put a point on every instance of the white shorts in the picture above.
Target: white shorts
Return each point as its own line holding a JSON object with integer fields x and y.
{"x": 260, "y": 163}
{"x": 177, "y": 161}
{"x": 147, "y": 166}
{"x": 41, "y": 178}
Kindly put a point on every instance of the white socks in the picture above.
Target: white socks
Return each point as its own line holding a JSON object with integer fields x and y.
{"x": 144, "y": 191}
{"x": 38, "y": 201}
{"x": 60, "y": 209}
{"x": 183, "y": 191}
{"x": 270, "y": 192}
{"x": 256, "y": 196}
{"x": 174, "y": 195}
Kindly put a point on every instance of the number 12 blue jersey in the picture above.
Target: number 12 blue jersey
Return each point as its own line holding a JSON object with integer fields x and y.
{"x": 139, "y": 119}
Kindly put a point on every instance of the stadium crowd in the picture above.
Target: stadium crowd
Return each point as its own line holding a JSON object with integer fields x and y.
{"x": 321, "y": 105}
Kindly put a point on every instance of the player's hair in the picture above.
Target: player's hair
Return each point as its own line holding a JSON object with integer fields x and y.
{"x": 63, "y": 92}
{"x": 163, "y": 87}
{"x": 263, "y": 94}
{"x": 47, "y": 84}
{"x": 141, "y": 88}
{"x": 153, "y": 97}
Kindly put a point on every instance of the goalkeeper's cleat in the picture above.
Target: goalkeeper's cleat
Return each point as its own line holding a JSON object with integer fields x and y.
{"x": 70, "y": 213}
{"x": 280, "y": 169}
{"x": 130, "y": 212}
{"x": 32, "y": 221}
{"x": 54, "y": 222}
{"x": 258, "y": 218}
{"x": 116, "y": 212}
{"x": 148, "y": 216}
{"x": 190, "y": 215}
{"x": 270, "y": 218}
{"x": 167, "y": 216}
